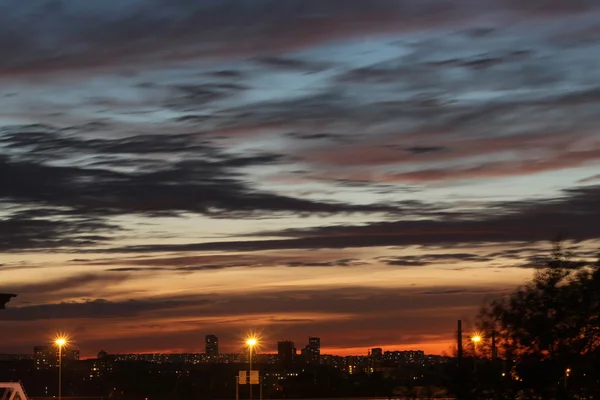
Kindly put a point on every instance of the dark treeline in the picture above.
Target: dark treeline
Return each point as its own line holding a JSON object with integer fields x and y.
{"x": 547, "y": 336}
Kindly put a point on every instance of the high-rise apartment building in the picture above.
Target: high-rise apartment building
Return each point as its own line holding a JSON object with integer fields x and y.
{"x": 46, "y": 357}
{"x": 314, "y": 350}
{"x": 212, "y": 346}
{"x": 286, "y": 352}
{"x": 377, "y": 353}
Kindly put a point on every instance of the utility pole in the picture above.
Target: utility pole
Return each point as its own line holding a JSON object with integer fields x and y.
{"x": 459, "y": 341}
{"x": 461, "y": 382}
{"x": 494, "y": 349}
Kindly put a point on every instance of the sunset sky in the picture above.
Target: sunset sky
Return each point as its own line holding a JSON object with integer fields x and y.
{"x": 364, "y": 171}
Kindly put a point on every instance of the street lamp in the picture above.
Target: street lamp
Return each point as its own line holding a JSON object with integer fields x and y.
{"x": 251, "y": 342}
{"x": 476, "y": 339}
{"x": 567, "y": 374}
{"x": 60, "y": 342}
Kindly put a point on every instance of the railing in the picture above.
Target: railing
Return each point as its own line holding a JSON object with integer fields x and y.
{"x": 13, "y": 391}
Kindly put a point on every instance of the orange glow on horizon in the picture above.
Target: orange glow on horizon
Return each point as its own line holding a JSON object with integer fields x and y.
{"x": 442, "y": 348}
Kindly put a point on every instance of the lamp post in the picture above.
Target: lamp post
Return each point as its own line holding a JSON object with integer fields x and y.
{"x": 475, "y": 339}
{"x": 251, "y": 342}
{"x": 567, "y": 374}
{"x": 60, "y": 342}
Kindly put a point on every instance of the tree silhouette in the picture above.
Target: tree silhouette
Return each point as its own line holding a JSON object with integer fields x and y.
{"x": 5, "y": 298}
{"x": 551, "y": 324}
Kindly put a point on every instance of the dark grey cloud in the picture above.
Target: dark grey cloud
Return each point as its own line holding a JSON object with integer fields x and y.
{"x": 382, "y": 188}
{"x": 137, "y": 269}
{"x": 50, "y": 290}
{"x": 204, "y": 179}
{"x": 346, "y": 262}
{"x": 45, "y": 141}
{"x": 227, "y": 74}
{"x": 539, "y": 261}
{"x": 65, "y": 284}
{"x": 120, "y": 32}
{"x": 312, "y": 110}
{"x": 429, "y": 259}
{"x": 424, "y": 149}
{"x": 485, "y": 60}
{"x": 93, "y": 309}
{"x": 429, "y": 70}
{"x": 52, "y": 228}
{"x": 63, "y": 187}
{"x": 188, "y": 268}
{"x": 354, "y": 300}
{"x": 285, "y": 63}
{"x": 319, "y": 136}
{"x": 573, "y": 215}
{"x": 125, "y": 32}
{"x": 592, "y": 178}
{"x": 192, "y": 97}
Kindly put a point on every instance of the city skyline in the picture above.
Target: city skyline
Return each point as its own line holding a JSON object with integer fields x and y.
{"x": 370, "y": 172}
{"x": 264, "y": 347}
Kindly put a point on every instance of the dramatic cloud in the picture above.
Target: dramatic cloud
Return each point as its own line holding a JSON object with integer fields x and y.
{"x": 89, "y": 309}
{"x": 49, "y": 228}
{"x": 119, "y": 178}
{"x": 575, "y": 216}
{"x": 360, "y": 169}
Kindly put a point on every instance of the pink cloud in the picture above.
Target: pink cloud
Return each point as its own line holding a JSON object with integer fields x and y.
{"x": 451, "y": 147}
{"x": 500, "y": 169}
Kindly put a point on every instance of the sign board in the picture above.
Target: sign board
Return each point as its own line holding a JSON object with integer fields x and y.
{"x": 243, "y": 378}
{"x": 254, "y": 378}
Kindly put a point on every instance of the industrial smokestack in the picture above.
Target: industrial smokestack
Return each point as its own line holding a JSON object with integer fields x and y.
{"x": 459, "y": 340}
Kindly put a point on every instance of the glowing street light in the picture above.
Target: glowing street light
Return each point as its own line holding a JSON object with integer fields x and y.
{"x": 251, "y": 342}
{"x": 60, "y": 343}
{"x": 476, "y": 339}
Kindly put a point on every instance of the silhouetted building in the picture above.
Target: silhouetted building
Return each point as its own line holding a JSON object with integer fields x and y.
{"x": 377, "y": 353}
{"x": 356, "y": 364}
{"x": 407, "y": 357}
{"x": 46, "y": 357}
{"x": 286, "y": 352}
{"x": 376, "y": 358}
{"x": 212, "y": 346}
{"x": 314, "y": 350}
